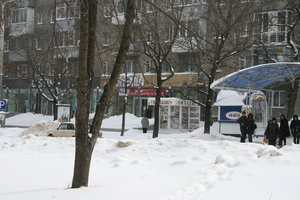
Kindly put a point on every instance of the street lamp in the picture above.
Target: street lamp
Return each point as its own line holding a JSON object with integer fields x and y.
{"x": 3, "y": 4}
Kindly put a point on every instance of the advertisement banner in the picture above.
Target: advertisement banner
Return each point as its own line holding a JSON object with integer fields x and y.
{"x": 229, "y": 114}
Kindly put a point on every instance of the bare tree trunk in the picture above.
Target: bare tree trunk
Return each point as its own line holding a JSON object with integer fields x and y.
{"x": 156, "y": 112}
{"x": 207, "y": 113}
{"x": 84, "y": 146}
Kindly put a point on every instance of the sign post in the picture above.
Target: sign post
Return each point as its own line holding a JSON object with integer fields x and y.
{"x": 3, "y": 104}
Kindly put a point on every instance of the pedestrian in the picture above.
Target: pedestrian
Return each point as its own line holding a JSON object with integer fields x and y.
{"x": 295, "y": 128}
{"x": 284, "y": 130}
{"x": 251, "y": 126}
{"x": 272, "y": 131}
{"x": 145, "y": 124}
{"x": 243, "y": 121}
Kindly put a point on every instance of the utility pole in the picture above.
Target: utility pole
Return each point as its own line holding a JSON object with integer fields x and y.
{"x": 3, "y": 4}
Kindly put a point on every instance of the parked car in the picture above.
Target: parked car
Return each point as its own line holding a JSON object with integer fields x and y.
{"x": 65, "y": 129}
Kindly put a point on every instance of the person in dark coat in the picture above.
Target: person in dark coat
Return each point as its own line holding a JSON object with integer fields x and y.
{"x": 284, "y": 130}
{"x": 243, "y": 121}
{"x": 145, "y": 124}
{"x": 272, "y": 131}
{"x": 251, "y": 126}
{"x": 295, "y": 128}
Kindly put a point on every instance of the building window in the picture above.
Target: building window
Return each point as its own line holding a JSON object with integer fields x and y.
{"x": 242, "y": 62}
{"x": 148, "y": 67}
{"x": 105, "y": 39}
{"x": 105, "y": 68}
{"x": 73, "y": 10}
{"x": 22, "y": 71}
{"x": 166, "y": 66}
{"x": 191, "y": 64}
{"x": 149, "y": 6}
{"x": 106, "y": 12}
{"x": 279, "y": 99}
{"x": 52, "y": 16}
{"x": 6, "y": 46}
{"x": 39, "y": 18}
{"x": 51, "y": 70}
{"x": 66, "y": 38}
{"x": 61, "y": 10}
{"x": 121, "y": 6}
{"x": 272, "y": 27}
{"x": 38, "y": 44}
{"x": 129, "y": 66}
{"x": 19, "y": 15}
{"x": 149, "y": 36}
{"x": 169, "y": 33}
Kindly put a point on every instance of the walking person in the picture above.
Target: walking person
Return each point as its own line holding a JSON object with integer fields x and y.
{"x": 272, "y": 132}
{"x": 243, "y": 121}
{"x": 284, "y": 130}
{"x": 145, "y": 124}
{"x": 295, "y": 128}
{"x": 251, "y": 126}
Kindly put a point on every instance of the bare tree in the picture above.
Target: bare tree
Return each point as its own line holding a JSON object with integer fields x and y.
{"x": 227, "y": 34}
{"x": 84, "y": 143}
{"x": 157, "y": 32}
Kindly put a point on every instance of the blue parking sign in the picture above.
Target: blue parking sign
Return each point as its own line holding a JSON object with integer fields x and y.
{"x": 3, "y": 104}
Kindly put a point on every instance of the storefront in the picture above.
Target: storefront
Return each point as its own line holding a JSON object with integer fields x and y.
{"x": 177, "y": 114}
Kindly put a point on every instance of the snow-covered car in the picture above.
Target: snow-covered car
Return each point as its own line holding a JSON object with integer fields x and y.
{"x": 65, "y": 129}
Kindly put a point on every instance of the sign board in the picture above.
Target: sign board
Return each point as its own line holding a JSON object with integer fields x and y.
{"x": 63, "y": 112}
{"x": 229, "y": 114}
{"x": 3, "y": 104}
{"x": 172, "y": 101}
{"x": 143, "y": 92}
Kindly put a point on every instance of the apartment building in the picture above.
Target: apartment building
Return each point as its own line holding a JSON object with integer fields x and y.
{"x": 41, "y": 41}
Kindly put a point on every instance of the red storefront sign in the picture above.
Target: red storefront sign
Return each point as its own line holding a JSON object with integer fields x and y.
{"x": 144, "y": 92}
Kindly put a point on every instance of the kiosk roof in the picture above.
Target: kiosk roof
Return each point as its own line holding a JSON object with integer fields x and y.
{"x": 259, "y": 77}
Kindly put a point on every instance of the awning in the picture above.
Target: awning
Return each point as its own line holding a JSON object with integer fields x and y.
{"x": 260, "y": 76}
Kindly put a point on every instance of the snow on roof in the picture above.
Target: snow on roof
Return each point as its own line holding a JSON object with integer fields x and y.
{"x": 229, "y": 98}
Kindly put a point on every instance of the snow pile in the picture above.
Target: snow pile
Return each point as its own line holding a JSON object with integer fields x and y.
{"x": 41, "y": 128}
{"x": 27, "y": 119}
{"x": 131, "y": 121}
{"x": 189, "y": 166}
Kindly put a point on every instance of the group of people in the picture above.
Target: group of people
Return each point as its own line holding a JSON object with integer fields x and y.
{"x": 247, "y": 126}
{"x": 273, "y": 131}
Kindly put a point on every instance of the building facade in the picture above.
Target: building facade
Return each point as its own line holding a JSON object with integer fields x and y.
{"x": 41, "y": 49}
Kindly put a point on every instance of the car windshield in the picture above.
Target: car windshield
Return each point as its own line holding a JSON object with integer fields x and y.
{"x": 66, "y": 127}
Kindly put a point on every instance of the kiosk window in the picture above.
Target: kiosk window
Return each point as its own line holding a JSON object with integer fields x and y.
{"x": 279, "y": 99}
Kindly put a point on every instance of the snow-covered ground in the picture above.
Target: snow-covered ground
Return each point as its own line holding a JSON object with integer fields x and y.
{"x": 186, "y": 166}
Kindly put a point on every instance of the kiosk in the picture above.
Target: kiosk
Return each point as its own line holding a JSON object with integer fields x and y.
{"x": 230, "y": 104}
{"x": 177, "y": 114}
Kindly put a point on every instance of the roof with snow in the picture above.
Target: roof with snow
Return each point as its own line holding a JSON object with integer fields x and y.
{"x": 229, "y": 98}
{"x": 260, "y": 76}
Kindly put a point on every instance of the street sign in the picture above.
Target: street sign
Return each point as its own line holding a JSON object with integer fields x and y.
{"x": 3, "y": 104}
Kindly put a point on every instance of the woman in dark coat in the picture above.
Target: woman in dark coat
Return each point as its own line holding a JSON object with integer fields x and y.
{"x": 272, "y": 131}
{"x": 251, "y": 126}
{"x": 284, "y": 130}
{"x": 295, "y": 128}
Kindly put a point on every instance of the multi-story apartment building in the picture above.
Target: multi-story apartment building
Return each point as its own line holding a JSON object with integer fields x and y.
{"x": 41, "y": 41}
